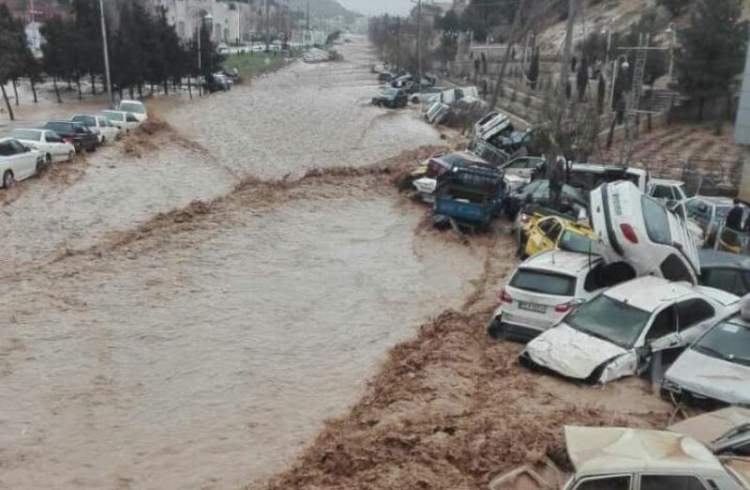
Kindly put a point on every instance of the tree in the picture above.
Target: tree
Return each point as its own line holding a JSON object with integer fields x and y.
{"x": 534, "y": 69}
{"x": 55, "y": 51}
{"x": 713, "y": 49}
{"x": 582, "y": 78}
{"x": 601, "y": 93}
{"x": 11, "y": 52}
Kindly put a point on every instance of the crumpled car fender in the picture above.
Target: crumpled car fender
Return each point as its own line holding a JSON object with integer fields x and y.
{"x": 617, "y": 367}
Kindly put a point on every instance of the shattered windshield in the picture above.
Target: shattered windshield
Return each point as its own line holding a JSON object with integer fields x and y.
{"x": 610, "y": 320}
{"x": 729, "y": 341}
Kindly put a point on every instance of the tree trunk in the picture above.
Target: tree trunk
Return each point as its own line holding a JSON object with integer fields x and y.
{"x": 701, "y": 104}
{"x": 166, "y": 87}
{"x": 70, "y": 84}
{"x": 611, "y": 136}
{"x": 7, "y": 103}
{"x": 151, "y": 88}
{"x": 140, "y": 90}
{"x": 93, "y": 84}
{"x": 57, "y": 90}
{"x": 33, "y": 89}
{"x": 190, "y": 89}
{"x": 130, "y": 91}
{"x": 78, "y": 85}
{"x": 15, "y": 90}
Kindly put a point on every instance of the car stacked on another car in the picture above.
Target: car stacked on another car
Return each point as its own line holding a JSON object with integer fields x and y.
{"x": 78, "y": 135}
{"x": 18, "y": 162}
{"x": 547, "y": 287}
{"x": 46, "y": 141}
{"x": 556, "y": 232}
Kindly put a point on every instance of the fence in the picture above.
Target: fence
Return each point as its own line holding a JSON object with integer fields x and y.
{"x": 709, "y": 177}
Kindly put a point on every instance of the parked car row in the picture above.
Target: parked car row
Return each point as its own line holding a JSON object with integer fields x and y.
{"x": 27, "y": 151}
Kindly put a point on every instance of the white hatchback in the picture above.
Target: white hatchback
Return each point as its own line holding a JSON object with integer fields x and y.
{"x": 618, "y": 333}
{"x": 46, "y": 141}
{"x": 125, "y": 121}
{"x": 637, "y": 229}
{"x": 547, "y": 287}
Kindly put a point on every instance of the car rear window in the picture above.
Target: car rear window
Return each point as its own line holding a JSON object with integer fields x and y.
{"x": 657, "y": 221}
{"x": 544, "y": 282}
{"x": 27, "y": 134}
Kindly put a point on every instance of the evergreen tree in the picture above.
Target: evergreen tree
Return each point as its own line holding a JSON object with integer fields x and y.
{"x": 11, "y": 52}
{"x": 713, "y": 49}
{"x": 56, "y": 62}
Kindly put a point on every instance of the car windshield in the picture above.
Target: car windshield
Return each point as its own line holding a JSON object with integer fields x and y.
{"x": 685, "y": 190}
{"x": 544, "y": 282}
{"x": 86, "y": 120}
{"x": 114, "y": 116}
{"x": 135, "y": 107}
{"x": 611, "y": 320}
{"x": 657, "y": 221}
{"x": 729, "y": 340}
{"x": 575, "y": 242}
{"x": 26, "y": 134}
{"x": 390, "y": 92}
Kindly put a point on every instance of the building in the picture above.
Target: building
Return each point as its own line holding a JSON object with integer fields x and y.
{"x": 742, "y": 130}
{"x": 231, "y": 22}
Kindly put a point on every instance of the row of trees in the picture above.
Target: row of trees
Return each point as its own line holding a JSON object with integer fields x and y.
{"x": 145, "y": 51}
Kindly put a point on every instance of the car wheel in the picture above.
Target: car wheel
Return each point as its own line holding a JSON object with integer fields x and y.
{"x": 104, "y": 140}
{"x": 495, "y": 330}
{"x": 8, "y": 180}
{"x": 48, "y": 158}
{"x": 71, "y": 155}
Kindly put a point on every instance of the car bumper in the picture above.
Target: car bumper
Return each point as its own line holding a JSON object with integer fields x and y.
{"x": 677, "y": 394}
{"x": 516, "y": 332}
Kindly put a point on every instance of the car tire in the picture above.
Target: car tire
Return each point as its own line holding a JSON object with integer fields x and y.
{"x": 495, "y": 330}
{"x": 71, "y": 155}
{"x": 48, "y": 159}
{"x": 9, "y": 180}
{"x": 104, "y": 141}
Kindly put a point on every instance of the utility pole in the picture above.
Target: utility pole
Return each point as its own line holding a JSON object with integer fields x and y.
{"x": 268, "y": 26}
{"x": 566, "y": 56}
{"x": 508, "y": 49}
{"x": 106, "y": 53}
{"x": 419, "y": 42}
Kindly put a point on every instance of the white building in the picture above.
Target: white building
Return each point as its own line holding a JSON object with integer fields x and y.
{"x": 231, "y": 22}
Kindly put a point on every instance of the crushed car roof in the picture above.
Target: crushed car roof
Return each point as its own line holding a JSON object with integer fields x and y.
{"x": 560, "y": 261}
{"x": 596, "y": 450}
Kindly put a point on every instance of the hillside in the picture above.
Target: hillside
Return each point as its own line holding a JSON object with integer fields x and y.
{"x": 323, "y": 8}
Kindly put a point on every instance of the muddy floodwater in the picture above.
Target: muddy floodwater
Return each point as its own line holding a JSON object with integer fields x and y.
{"x": 207, "y": 357}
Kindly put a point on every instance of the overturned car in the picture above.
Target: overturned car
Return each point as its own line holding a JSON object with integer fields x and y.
{"x": 637, "y": 229}
{"x": 620, "y": 332}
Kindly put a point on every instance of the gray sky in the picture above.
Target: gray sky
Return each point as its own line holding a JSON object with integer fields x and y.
{"x": 370, "y": 7}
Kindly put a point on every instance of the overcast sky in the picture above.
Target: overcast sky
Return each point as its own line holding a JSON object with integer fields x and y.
{"x": 370, "y": 7}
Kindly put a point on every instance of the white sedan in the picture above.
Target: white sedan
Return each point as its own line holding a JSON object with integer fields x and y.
{"x": 46, "y": 141}
{"x": 619, "y": 333}
{"x": 105, "y": 130}
{"x": 18, "y": 162}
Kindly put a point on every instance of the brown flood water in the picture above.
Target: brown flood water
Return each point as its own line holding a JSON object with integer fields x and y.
{"x": 207, "y": 359}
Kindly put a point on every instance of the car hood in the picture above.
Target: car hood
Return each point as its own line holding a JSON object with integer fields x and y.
{"x": 571, "y": 353}
{"x": 708, "y": 376}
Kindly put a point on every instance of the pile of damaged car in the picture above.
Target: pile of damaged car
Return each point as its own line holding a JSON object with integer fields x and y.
{"x": 622, "y": 292}
{"x": 710, "y": 451}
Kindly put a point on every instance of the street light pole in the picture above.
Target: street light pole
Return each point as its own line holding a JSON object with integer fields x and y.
{"x": 106, "y": 53}
{"x": 419, "y": 42}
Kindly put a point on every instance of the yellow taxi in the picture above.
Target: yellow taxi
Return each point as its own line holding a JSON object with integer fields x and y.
{"x": 546, "y": 233}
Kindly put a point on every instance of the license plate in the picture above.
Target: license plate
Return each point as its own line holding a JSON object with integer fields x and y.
{"x": 532, "y": 307}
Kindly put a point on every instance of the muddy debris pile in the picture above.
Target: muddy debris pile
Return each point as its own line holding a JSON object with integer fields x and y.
{"x": 450, "y": 409}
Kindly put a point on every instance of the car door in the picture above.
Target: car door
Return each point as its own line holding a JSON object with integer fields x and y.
{"x": 694, "y": 317}
{"x": 55, "y": 144}
{"x": 24, "y": 161}
{"x": 662, "y": 334}
{"x": 6, "y": 158}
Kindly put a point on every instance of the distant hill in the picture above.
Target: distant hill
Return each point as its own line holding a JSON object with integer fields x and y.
{"x": 323, "y": 8}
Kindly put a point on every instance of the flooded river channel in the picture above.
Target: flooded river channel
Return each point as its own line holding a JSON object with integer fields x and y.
{"x": 205, "y": 355}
